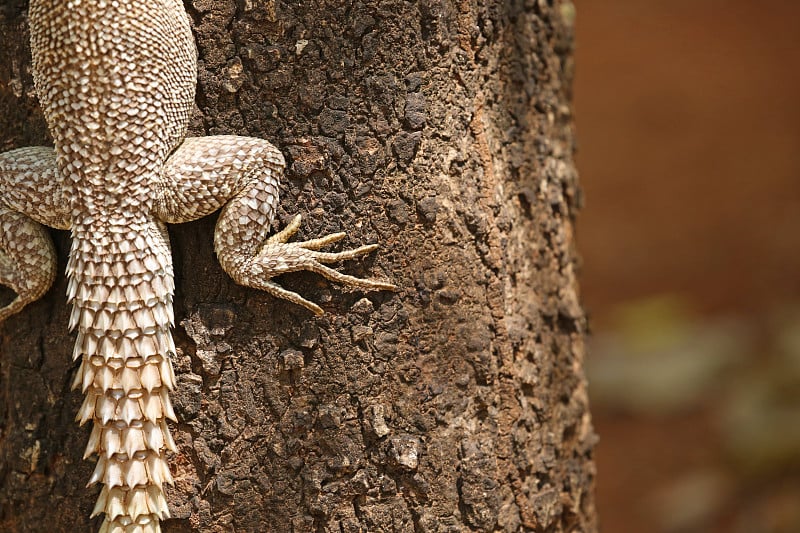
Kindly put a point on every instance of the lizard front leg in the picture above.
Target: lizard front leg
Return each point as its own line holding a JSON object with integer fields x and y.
{"x": 241, "y": 174}
{"x": 30, "y": 196}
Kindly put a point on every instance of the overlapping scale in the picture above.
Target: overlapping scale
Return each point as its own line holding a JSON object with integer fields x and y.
{"x": 121, "y": 291}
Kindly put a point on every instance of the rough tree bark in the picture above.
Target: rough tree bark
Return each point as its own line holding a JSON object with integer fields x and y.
{"x": 441, "y": 129}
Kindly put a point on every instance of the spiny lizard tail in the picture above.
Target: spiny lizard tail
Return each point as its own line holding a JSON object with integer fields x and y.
{"x": 121, "y": 286}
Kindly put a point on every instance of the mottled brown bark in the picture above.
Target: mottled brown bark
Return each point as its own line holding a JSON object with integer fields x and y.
{"x": 442, "y": 130}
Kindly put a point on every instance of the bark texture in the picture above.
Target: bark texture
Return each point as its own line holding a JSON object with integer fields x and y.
{"x": 442, "y": 130}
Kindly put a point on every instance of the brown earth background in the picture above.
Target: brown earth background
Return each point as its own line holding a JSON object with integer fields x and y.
{"x": 689, "y": 131}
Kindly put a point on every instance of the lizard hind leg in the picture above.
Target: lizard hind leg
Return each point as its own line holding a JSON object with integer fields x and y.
{"x": 27, "y": 260}
{"x": 241, "y": 174}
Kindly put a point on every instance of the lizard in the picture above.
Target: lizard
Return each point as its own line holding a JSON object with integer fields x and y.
{"x": 116, "y": 80}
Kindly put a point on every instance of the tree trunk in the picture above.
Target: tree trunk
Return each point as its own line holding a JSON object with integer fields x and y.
{"x": 441, "y": 130}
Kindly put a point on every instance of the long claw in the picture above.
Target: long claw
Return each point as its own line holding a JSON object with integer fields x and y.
{"x": 316, "y": 244}
{"x": 351, "y": 281}
{"x": 286, "y": 233}
{"x": 333, "y": 257}
{"x": 279, "y": 292}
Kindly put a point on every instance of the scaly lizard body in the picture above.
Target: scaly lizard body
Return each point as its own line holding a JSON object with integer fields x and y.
{"x": 116, "y": 81}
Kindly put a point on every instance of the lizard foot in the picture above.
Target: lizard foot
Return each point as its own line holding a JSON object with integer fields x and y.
{"x": 277, "y": 256}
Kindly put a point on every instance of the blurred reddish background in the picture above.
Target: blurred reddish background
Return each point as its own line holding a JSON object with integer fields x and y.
{"x": 688, "y": 118}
